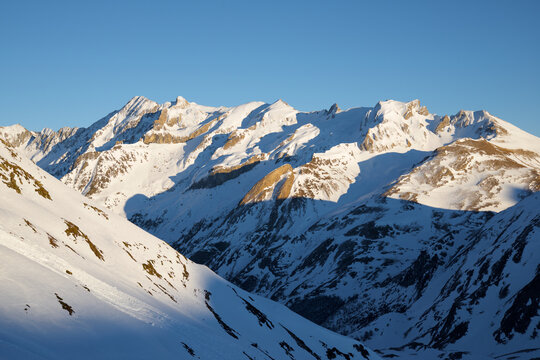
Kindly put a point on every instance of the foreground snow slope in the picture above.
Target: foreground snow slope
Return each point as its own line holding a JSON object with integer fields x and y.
{"x": 80, "y": 282}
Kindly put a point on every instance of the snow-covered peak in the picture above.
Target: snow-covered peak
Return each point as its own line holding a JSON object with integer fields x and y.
{"x": 12, "y": 129}
{"x": 127, "y": 117}
{"x": 279, "y": 111}
{"x": 12, "y": 132}
{"x": 137, "y": 101}
{"x": 279, "y": 103}
{"x": 16, "y": 134}
{"x": 180, "y": 101}
{"x": 134, "y": 107}
{"x": 393, "y": 110}
{"x": 386, "y": 107}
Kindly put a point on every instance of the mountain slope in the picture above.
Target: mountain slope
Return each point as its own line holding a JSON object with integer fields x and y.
{"x": 80, "y": 282}
{"x": 470, "y": 291}
{"x": 492, "y": 292}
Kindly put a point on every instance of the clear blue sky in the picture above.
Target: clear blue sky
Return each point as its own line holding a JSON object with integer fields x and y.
{"x": 68, "y": 63}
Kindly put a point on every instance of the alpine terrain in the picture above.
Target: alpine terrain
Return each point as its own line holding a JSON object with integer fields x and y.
{"x": 415, "y": 233}
{"x": 78, "y": 282}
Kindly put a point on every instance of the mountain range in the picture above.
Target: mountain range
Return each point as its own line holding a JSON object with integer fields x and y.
{"x": 413, "y": 232}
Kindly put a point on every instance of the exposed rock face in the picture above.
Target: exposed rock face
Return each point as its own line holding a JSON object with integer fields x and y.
{"x": 354, "y": 218}
{"x": 164, "y": 120}
{"x": 443, "y": 124}
{"x": 234, "y": 139}
{"x": 264, "y": 189}
{"x": 414, "y": 107}
{"x": 168, "y": 138}
{"x": 164, "y": 139}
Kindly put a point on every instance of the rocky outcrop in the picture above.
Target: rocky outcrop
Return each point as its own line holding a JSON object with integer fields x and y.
{"x": 414, "y": 107}
{"x": 445, "y": 121}
{"x": 169, "y": 138}
{"x": 265, "y": 187}
{"x": 164, "y": 120}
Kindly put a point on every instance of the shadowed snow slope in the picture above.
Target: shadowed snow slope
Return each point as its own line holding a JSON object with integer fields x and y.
{"x": 79, "y": 282}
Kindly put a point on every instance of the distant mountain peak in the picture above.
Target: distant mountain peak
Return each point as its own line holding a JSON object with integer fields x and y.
{"x": 180, "y": 101}
{"x": 137, "y": 102}
{"x": 280, "y": 102}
